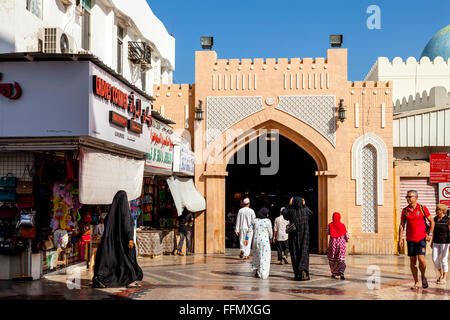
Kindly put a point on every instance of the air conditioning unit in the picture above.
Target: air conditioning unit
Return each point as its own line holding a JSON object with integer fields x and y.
{"x": 56, "y": 41}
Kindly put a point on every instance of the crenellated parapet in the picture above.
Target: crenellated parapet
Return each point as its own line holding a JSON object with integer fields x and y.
{"x": 438, "y": 96}
{"x": 175, "y": 90}
{"x": 411, "y": 76}
{"x": 294, "y": 74}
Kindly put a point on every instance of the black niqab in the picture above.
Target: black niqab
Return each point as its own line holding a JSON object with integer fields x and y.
{"x": 115, "y": 263}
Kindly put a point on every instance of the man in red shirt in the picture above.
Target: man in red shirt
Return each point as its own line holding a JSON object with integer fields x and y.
{"x": 416, "y": 235}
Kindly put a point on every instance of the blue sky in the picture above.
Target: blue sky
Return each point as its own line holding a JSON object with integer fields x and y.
{"x": 295, "y": 28}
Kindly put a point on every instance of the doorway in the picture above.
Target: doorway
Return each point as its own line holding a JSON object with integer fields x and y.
{"x": 295, "y": 176}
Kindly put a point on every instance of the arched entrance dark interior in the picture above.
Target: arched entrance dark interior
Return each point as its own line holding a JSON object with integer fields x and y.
{"x": 295, "y": 175}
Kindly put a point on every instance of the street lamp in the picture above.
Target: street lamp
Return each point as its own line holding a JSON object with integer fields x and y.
{"x": 336, "y": 40}
{"x": 199, "y": 111}
{"x": 341, "y": 110}
{"x": 207, "y": 42}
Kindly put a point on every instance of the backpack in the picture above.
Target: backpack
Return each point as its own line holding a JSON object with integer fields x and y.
{"x": 427, "y": 223}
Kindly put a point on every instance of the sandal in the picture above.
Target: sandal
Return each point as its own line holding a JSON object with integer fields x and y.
{"x": 443, "y": 281}
{"x": 415, "y": 287}
{"x": 134, "y": 285}
{"x": 424, "y": 283}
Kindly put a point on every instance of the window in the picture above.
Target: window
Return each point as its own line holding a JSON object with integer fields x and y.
{"x": 143, "y": 80}
{"x": 119, "y": 49}
{"x": 369, "y": 189}
{"x": 35, "y": 7}
{"x": 86, "y": 25}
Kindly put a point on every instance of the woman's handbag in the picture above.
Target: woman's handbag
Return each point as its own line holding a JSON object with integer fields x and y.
{"x": 8, "y": 181}
{"x": 25, "y": 201}
{"x": 24, "y": 187}
{"x": 290, "y": 227}
{"x": 8, "y": 213}
{"x": 7, "y": 194}
{"x": 26, "y": 220}
{"x": 48, "y": 244}
{"x": 28, "y": 232}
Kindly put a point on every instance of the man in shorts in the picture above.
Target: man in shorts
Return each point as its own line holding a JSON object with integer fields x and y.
{"x": 416, "y": 235}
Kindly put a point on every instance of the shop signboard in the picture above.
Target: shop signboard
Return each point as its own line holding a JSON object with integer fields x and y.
{"x": 444, "y": 193}
{"x": 160, "y": 155}
{"x": 72, "y": 99}
{"x": 440, "y": 167}
{"x": 117, "y": 114}
{"x": 183, "y": 160}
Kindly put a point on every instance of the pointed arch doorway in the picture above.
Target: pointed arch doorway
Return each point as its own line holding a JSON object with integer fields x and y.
{"x": 295, "y": 175}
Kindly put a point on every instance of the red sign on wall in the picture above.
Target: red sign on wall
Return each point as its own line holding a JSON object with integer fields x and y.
{"x": 439, "y": 167}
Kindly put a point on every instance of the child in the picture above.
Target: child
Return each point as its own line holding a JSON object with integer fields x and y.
{"x": 337, "y": 246}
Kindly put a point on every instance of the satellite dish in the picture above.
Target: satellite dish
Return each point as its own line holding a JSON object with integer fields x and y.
{"x": 64, "y": 43}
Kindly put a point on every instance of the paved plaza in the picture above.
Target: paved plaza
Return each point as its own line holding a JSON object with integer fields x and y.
{"x": 225, "y": 277}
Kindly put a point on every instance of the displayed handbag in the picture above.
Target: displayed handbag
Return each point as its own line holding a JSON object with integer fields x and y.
{"x": 7, "y": 194}
{"x": 60, "y": 171}
{"x": 8, "y": 181}
{"x": 290, "y": 227}
{"x": 8, "y": 212}
{"x": 25, "y": 201}
{"x": 27, "y": 232}
{"x": 26, "y": 220}
{"x": 6, "y": 229}
{"x": 24, "y": 187}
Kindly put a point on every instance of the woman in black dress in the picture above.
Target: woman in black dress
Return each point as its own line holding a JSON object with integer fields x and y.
{"x": 300, "y": 215}
{"x": 116, "y": 263}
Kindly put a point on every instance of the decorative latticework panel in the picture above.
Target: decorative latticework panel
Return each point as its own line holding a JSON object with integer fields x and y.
{"x": 224, "y": 112}
{"x": 317, "y": 111}
{"x": 369, "y": 189}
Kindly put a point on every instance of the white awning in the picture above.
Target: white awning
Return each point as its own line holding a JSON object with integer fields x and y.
{"x": 185, "y": 194}
{"x": 103, "y": 174}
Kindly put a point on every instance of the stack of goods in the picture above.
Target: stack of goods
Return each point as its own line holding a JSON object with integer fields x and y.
{"x": 147, "y": 201}
{"x": 16, "y": 213}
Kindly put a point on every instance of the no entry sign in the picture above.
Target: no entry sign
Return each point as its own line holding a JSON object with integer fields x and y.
{"x": 440, "y": 167}
{"x": 444, "y": 193}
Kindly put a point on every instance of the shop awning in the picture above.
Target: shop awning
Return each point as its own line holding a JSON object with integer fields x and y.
{"x": 185, "y": 194}
{"x": 103, "y": 174}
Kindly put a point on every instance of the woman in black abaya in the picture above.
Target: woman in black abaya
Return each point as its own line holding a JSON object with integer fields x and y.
{"x": 299, "y": 239}
{"x": 116, "y": 263}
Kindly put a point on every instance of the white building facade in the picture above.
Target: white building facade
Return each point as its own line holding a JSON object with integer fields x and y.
{"x": 124, "y": 35}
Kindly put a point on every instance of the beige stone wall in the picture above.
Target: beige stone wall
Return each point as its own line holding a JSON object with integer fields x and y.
{"x": 295, "y": 77}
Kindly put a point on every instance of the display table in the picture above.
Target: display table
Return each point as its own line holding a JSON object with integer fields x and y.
{"x": 154, "y": 243}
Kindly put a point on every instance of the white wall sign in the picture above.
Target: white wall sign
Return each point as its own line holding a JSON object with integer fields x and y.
{"x": 161, "y": 146}
{"x": 183, "y": 160}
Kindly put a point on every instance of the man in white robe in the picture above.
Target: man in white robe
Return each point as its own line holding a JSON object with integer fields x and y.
{"x": 245, "y": 218}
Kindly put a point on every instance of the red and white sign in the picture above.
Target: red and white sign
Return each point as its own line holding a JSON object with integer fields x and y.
{"x": 444, "y": 193}
{"x": 440, "y": 167}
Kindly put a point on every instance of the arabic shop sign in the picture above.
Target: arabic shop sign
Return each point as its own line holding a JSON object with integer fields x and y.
{"x": 126, "y": 102}
{"x": 161, "y": 146}
{"x": 12, "y": 91}
{"x": 184, "y": 160}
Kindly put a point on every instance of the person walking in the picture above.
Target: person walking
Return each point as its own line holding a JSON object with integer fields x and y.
{"x": 414, "y": 216}
{"x": 337, "y": 246}
{"x": 116, "y": 263}
{"x": 245, "y": 218}
{"x": 262, "y": 230}
{"x": 441, "y": 242}
{"x": 186, "y": 221}
{"x": 281, "y": 237}
{"x": 299, "y": 215}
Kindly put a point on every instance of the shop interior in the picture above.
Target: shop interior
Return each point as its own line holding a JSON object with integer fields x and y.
{"x": 295, "y": 176}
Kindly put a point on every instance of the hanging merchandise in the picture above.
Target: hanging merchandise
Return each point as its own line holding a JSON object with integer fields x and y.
{"x": 26, "y": 219}
{"x": 25, "y": 201}
{"x": 135, "y": 206}
{"x": 8, "y": 181}
{"x": 24, "y": 187}
{"x": 8, "y": 212}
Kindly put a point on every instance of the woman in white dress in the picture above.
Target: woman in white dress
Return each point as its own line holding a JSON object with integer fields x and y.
{"x": 262, "y": 237}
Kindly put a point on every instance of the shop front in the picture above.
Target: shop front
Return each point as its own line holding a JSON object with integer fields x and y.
{"x": 74, "y": 149}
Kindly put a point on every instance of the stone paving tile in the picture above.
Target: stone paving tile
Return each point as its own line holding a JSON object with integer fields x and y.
{"x": 226, "y": 277}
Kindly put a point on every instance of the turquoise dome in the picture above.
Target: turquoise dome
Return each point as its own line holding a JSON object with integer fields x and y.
{"x": 439, "y": 45}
